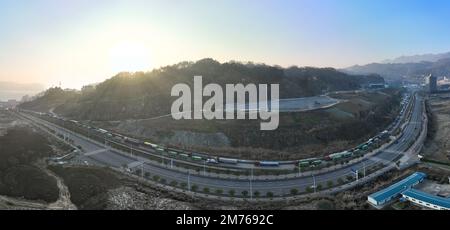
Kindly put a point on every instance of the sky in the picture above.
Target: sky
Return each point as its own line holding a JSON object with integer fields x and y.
{"x": 81, "y": 42}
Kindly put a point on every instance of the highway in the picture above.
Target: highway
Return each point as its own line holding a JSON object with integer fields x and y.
{"x": 99, "y": 154}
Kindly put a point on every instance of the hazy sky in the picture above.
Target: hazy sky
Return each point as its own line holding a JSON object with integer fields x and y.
{"x": 83, "y": 41}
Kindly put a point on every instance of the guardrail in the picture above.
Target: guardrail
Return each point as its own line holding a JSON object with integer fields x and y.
{"x": 284, "y": 197}
{"x": 245, "y": 172}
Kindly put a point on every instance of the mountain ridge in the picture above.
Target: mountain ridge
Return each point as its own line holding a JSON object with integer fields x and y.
{"x": 431, "y": 57}
{"x": 138, "y": 95}
{"x": 411, "y": 71}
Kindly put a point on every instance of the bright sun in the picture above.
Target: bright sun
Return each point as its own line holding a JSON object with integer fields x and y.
{"x": 130, "y": 57}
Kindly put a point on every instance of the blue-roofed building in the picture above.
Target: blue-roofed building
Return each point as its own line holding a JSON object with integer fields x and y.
{"x": 427, "y": 200}
{"x": 386, "y": 195}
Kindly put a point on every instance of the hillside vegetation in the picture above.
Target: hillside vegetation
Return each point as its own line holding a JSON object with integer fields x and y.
{"x": 312, "y": 133}
{"x": 143, "y": 95}
{"x": 20, "y": 148}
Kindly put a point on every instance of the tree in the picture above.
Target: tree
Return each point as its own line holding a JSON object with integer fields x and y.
{"x": 269, "y": 194}
{"x": 183, "y": 184}
{"x": 147, "y": 174}
{"x": 340, "y": 181}
{"x": 194, "y": 187}
{"x": 244, "y": 193}
{"x": 231, "y": 192}
{"x": 219, "y": 191}
{"x": 294, "y": 191}
{"x": 319, "y": 187}
{"x": 256, "y": 193}
{"x": 206, "y": 190}
{"x": 156, "y": 178}
{"x": 329, "y": 184}
{"x": 309, "y": 189}
{"x": 138, "y": 172}
{"x": 174, "y": 183}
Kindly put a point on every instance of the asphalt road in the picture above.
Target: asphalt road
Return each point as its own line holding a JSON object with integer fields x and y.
{"x": 97, "y": 154}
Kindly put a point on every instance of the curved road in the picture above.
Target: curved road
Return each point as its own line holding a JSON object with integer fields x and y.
{"x": 98, "y": 155}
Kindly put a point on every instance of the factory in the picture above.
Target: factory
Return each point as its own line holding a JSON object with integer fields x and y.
{"x": 406, "y": 190}
{"x": 385, "y": 196}
{"x": 432, "y": 82}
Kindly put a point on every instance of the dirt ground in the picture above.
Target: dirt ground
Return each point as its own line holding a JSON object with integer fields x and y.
{"x": 125, "y": 193}
{"x": 437, "y": 146}
{"x": 130, "y": 194}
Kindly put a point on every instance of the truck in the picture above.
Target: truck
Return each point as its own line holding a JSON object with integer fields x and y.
{"x": 160, "y": 150}
{"x": 384, "y": 134}
{"x": 317, "y": 162}
{"x": 133, "y": 141}
{"x": 212, "y": 161}
{"x": 267, "y": 163}
{"x": 196, "y": 158}
{"x": 150, "y": 144}
{"x": 184, "y": 155}
{"x": 102, "y": 131}
{"x": 338, "y": 156}
{"x": 363, "y": 147}
{"x": 306, "y": 162}
{"x": 303, "y": 164}
{"x": 228, "y": 160}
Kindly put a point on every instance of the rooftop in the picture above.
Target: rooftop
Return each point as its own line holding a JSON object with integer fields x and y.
{"x": 398, "y": 187}
{"x": 429, "y": 198}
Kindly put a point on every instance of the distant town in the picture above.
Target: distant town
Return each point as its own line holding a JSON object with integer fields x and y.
{"x": 9, "y": 104}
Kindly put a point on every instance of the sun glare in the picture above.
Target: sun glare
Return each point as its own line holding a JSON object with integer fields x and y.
{"x": 130, "y": 57}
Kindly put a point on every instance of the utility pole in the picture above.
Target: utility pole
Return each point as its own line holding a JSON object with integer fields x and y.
{"x": 204, "y": 168}
{"x": 142, "y": 170}
{"x": 251, "y": 186}
{"x": 314, "y": 181}
{"x": 364, "y": 168}
{"x": 131, "y": 150}
{"x": 189, "y": 180}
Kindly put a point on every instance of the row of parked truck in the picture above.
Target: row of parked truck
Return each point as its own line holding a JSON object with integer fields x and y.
{"x": 194, "y": 156}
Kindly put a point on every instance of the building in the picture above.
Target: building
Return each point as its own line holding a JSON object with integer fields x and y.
{"x": 10, "y": 104}
{"x": 383, "y": 197}
{"x": 432, "y": 81}
{"x": 377, "y": 86}
{"x": 426, "y": 200}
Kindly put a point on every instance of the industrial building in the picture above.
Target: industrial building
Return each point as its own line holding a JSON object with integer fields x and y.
{"x": 432, "y": 81}
{"x": 405, "y": 189}
{"x": 394, "y": 191}
{"x": 426, "y": 200}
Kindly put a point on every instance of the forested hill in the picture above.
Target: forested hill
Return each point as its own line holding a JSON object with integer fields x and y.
{"x": 404, "y": 71}
{"x": 143, "y": 95}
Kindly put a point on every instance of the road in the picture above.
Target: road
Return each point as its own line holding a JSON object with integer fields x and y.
{"x": 98, "y": 154}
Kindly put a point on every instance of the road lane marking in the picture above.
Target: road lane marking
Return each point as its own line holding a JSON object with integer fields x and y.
{"x": 95, "y": 152}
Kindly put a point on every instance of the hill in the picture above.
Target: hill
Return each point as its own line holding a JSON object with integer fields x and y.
{"x": 392, "y": 72}
{"x": 50, "y": 99}
{"x": 401, "y": 70}
{"x": 143, "y": 95}
{"x": 418, "y": 58}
